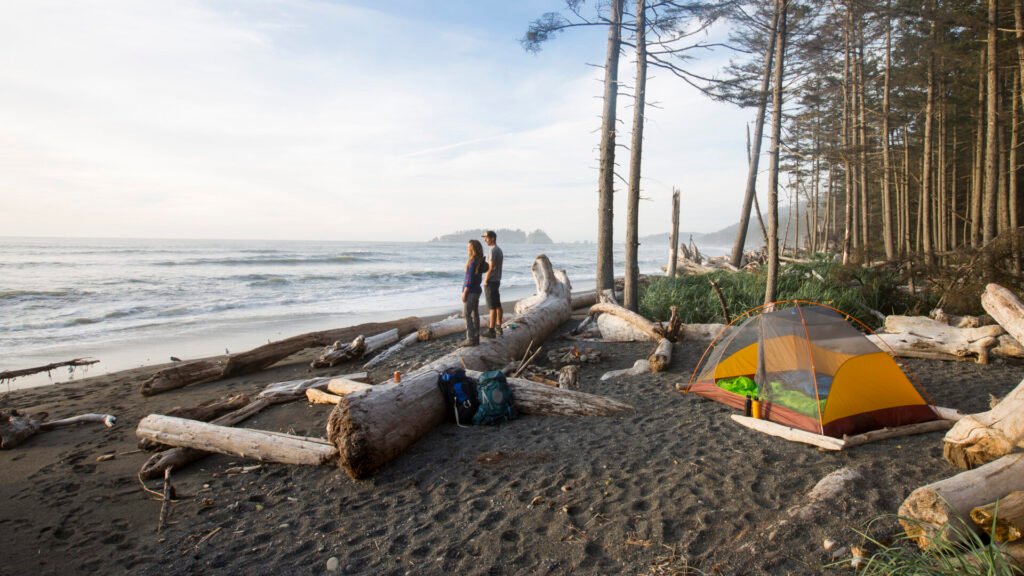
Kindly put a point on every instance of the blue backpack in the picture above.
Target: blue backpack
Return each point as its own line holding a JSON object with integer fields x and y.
{"x": 495, "y": 399}
{"x": 460, "y": 395}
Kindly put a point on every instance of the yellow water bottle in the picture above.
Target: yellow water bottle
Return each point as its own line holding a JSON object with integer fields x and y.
{"x": 755, "y": 408}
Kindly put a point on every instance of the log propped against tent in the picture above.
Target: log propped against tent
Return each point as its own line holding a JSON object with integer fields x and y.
{"x": 371, "y": 428}
{"x": 983, "y": 437}
{"x": 212, "y": 369}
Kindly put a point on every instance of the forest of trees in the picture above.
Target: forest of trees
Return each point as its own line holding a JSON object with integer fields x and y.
{"x": 895, "y": 122}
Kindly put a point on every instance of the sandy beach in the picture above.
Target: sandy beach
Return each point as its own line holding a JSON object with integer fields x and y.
{"x": 675, "y": 487}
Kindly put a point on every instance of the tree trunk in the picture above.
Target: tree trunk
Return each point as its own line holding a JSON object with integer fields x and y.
{"x": 539, "y": 399}
{"x": 980, "y": 438}
{"x": 925, "y": 208}
{"x": 991, "y": 128}
{"x": 933, "y": 509}
{"x": 606, "y": 184}
{"x": 773, "y": 171}
{"x": 754, "y": 154}
{"x": 204, "y": 413}
{"x": 211, "y": 369}
{"x": 979, "y": 158}
{"x": 631, "y": 292}
{"x": 673, "y": 240}
{"x": 372, "y": 428}
{"x": 255, "y": 444}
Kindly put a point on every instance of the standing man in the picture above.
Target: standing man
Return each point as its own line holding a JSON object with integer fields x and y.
{"x": 491, "y": 282}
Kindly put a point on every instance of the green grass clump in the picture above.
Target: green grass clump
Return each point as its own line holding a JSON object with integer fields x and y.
{"x": 855, "y": 290}
{"x": 958, "y": 551}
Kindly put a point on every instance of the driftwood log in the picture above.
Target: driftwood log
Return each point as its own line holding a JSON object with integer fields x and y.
{"x": 337, "y": 353}
{"x": 439, "y": 329}
{"x": 922, "y": 337}
{"x": 217, "y": 368}
{"x": 276, "y": 393}
{"x": 1003, "y": 520}
{"x": 203, "y": 412}
{"x": 371, "y": 428}
{"x": 662, "y": 355}
{"x": 1006, "y": 308}
{"x": 540, "y": 399}
{"x": 933, "y": 509}
{"x": 12, "y": 374}
{"x": 979, "y": 438}
{"x": 15, "y": 427}
{"x": 256, "y": 444}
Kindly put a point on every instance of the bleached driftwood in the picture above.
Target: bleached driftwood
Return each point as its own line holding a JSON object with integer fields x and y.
{"x": 203, "y": 412}
{"x": 442, "y": 328}
{"x": 921, "y": 337}
{"x": 616, "y": 329}
{"x": 1003, "y": 520}
{"x": 276, "y": 393}
{"x": 107, "y": 420}
{"x": 359, "y": 347}
{"x": 702, "y": 331}
{"x": 662, "y": 355}
{"x": 788, "y": 433}
{"x": 211, "y": 369}
{"x": 983, "y": 437}
{"x": 1006, "y": 308}
{"x": 531, "y": 397}
{"x": 316, "y": 396}
{"x": 256, "y": 444}
{"x": 371, "y": 428}
{"x": 638, "y": 367}
{"x": 933, "y": 509}
{"x": 343, "y": 386}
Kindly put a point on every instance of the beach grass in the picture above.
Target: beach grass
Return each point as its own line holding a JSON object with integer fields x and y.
{"x": 860, "y": 292}
{"x": 958, "y": 551}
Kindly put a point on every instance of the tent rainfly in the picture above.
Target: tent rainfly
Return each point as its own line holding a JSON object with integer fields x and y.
{"x": 811, "y": 370}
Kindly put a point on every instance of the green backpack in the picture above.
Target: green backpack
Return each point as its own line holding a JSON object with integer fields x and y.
{"x": 495, "y": 399}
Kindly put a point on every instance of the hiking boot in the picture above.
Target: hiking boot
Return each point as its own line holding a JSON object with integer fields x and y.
{"x": 498, "y": 331}
{"x": 489, "y": 333}
{"x": 468, "y": 343}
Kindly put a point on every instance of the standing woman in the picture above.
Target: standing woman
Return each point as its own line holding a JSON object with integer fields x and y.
{"x": 475, "y": 267}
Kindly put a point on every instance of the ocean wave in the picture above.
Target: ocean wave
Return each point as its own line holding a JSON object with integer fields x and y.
{"x": 39, "y": 294}
{"x": 270, "y": 261}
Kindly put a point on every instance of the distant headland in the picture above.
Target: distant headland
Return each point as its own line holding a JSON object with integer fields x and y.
{"x": 505, "y": 236}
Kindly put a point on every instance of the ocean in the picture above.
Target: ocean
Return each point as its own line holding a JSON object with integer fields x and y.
{"x": 131, "y": 302}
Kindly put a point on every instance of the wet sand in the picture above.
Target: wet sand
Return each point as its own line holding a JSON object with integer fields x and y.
{"x": 674, "y": 487}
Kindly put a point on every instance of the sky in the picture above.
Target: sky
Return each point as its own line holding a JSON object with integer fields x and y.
{"x": 334, "y": 120}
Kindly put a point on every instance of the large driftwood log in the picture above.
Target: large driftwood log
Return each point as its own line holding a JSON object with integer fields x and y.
{"x": 277, "y": 393}
{"x": 935, "y": 508}
{"x": 787, "y": 433}
{"x": 371, "y": 428}
{"x": 203, "y": 412}
{"x": 211, "y": 369}
{"x": 12, "y": 374}
{"x": 922, "y": 337}
{"x": 616, "y": 329}
{"x": 257, "y": 444}
{"x": 983, "y": 437}
{"x": 1006, "y": 308}
{"x": 1003, "y": 520}
{"x": 534, "y": 398}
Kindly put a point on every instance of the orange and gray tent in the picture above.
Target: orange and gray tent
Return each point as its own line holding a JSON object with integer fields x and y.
{"x": 811, "y": 370}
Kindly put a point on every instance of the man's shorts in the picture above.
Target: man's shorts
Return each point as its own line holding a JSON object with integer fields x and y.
{"x": 492, "y": 296}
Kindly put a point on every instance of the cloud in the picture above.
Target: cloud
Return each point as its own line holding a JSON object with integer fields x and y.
{"x": 316, "y": 120}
